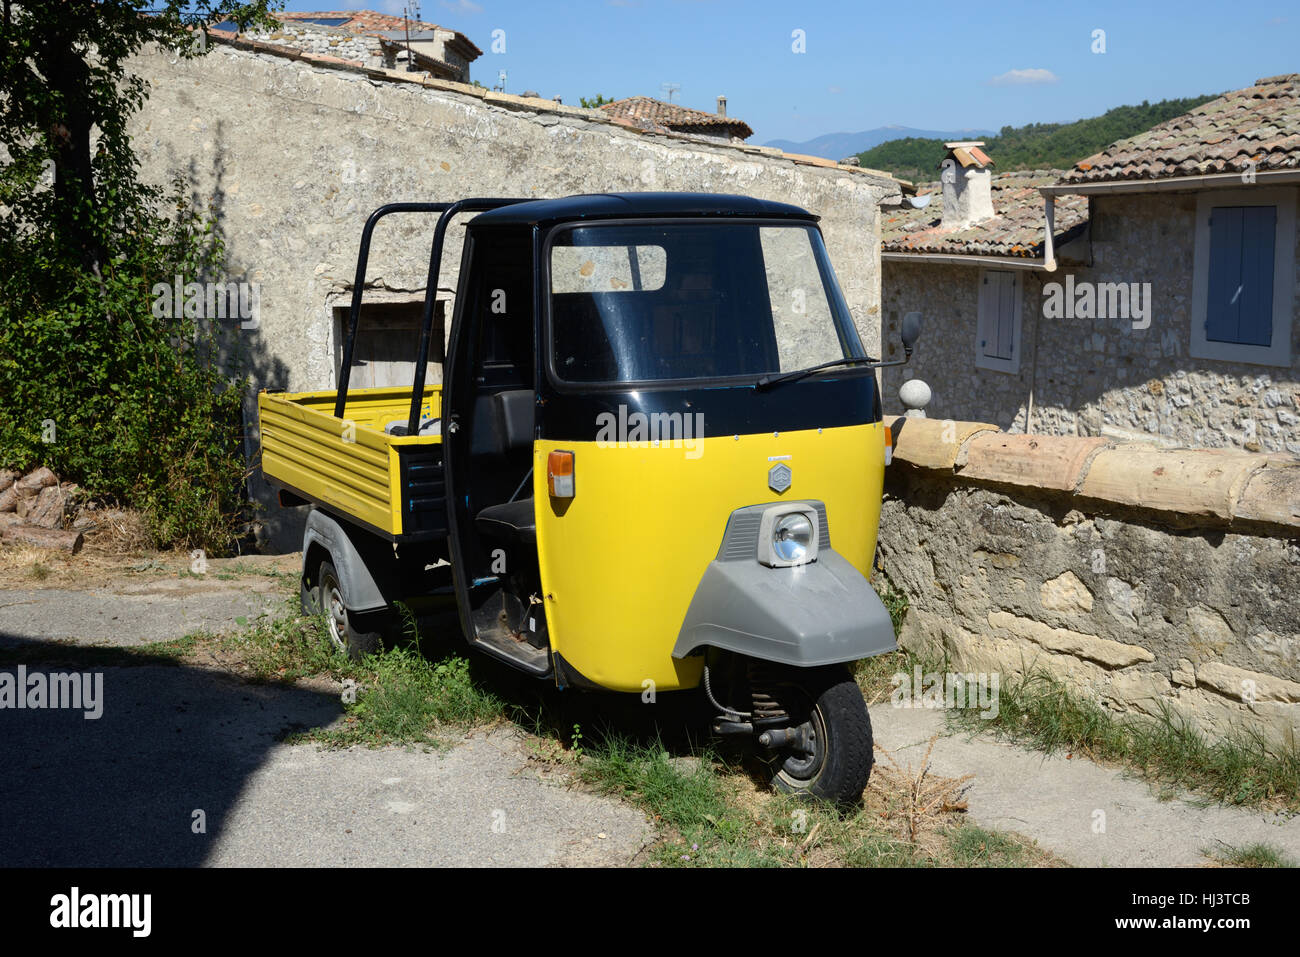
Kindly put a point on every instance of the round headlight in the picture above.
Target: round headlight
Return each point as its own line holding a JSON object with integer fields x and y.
{"x": 792, "y": 537}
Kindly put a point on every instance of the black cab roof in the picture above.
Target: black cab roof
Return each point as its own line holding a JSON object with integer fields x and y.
{"x": 630, "y": 205}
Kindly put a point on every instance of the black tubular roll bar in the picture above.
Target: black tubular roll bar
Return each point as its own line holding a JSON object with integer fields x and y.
{"x": 363, "y": 257}
{"x": 447, "y": 210}
{"x": 431, "y": 294}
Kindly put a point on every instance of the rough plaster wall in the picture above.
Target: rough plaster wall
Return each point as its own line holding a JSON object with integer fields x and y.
{"x": 1100, "y": 376}
{"x": 1134, "y": 614}
{"x": 294, "y": 158}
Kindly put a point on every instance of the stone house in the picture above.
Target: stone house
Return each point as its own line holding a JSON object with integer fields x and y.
{"x": 1148, "y": 293}
{"x": 371, "y": 39}
{"x": 656, "y": 115}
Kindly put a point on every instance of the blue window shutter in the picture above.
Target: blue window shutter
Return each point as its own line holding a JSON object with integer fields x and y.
{"x": 997, "y": 314}
{"x": 1239, "y": 302}
{"x": 1258, "y": 232}
{"x": 1006, "y": 314}
{"x": 1223, "y": 303}
{"x": 987, "y": 332}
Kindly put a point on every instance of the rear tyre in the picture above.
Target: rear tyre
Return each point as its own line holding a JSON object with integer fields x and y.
{"x": 310, "y": 595}
{"x": 347, "y": 630}
{"x": 838, "y": 766}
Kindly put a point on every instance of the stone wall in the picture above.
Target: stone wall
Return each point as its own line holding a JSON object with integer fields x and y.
{"x": 322, "y": 40}
{"x": 1144, "y": 576}
{"x": 1099, "y": 376}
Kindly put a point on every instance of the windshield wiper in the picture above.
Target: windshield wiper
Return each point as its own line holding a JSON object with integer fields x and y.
{"x": 768, "y": 380}
{"x": 911, "y": 332}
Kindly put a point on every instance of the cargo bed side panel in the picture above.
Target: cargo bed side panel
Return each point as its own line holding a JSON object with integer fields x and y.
{"x": 331, "y": 461}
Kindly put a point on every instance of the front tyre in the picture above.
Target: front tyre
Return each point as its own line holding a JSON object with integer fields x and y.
{"x": 833, "y": 761}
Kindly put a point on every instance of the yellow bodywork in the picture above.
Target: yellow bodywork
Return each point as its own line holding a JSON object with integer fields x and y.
{"x": 621, "y": 560}
{"x": 348, "y": 463}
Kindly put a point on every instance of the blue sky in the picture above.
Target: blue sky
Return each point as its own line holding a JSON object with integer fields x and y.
{"x": 933, "y": 66}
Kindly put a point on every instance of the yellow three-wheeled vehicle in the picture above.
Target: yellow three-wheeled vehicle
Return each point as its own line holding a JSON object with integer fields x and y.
{"x": 655, "y": 463}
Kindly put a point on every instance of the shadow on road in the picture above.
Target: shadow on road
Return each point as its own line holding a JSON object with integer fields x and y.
{"x": 123, "y": 789}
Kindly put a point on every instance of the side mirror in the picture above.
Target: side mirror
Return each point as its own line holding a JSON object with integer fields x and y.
{"x": 911, "y": 332}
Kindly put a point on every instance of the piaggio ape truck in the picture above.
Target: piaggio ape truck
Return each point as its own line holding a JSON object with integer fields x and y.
{"x": 655, "y": 461}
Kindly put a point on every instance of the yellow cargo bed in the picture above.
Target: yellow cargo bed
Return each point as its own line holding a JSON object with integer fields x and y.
{"x": 349, "y": 466}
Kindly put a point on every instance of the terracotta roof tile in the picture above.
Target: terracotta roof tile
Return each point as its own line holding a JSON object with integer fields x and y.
{"x": 1259, "y": 125}
{"x": 1015, "y": 231}
{"x": 670, "y": 116}
{"x": 369, "y": 21}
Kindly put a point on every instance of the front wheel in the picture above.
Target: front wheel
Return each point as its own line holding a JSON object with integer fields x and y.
{"x": 832, "y": 754}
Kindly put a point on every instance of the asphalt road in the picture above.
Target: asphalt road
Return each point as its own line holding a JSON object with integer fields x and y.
{"x": 187, "y": 766}
{"x": 134, "y": 613}
{"x": 123, "y": 790}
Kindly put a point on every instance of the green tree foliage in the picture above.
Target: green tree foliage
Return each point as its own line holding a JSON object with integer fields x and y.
{"x": 134, "y": 406}
{"x": 591, "y": 104}
{"x": 1036, "y": 146}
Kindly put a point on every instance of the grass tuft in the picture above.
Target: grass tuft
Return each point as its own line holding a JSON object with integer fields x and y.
{"x": 1241, "y": 769}
{"x": 1252, "y": 855}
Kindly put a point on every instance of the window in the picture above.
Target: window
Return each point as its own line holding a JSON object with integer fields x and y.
{"x": 656, "y": 302}
{"x": 499, "y": 307}
{"x": 388, "y": 339}
{"x": 608, "y": 268}
{"x": 997, "y": 336}
{"x": 1243, "y": 276}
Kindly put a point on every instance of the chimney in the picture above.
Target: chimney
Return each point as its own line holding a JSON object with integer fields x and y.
{"x": 722, "y": 106}
{"x": 967, "y": 191}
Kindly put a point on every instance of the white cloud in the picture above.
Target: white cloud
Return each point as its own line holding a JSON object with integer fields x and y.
{"x": 834, "y": 89}
{"x": 1031, "y": 77}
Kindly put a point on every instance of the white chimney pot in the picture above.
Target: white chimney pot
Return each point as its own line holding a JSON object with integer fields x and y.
{"x": 967, "y": 191}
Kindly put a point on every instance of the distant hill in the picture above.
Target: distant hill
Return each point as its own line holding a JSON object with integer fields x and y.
{"x": 836, "y": 146}
{"x": 1036, "y": 146}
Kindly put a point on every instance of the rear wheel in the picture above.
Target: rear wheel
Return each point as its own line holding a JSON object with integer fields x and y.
{"x": 349, "y": 631}
{"x": 832, "y": 756}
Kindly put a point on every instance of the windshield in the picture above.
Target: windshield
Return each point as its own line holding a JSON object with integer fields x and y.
{"x": 703, "y": 300}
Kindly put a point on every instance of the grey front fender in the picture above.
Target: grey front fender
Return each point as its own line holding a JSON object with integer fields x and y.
{"x": 821, "y": 613}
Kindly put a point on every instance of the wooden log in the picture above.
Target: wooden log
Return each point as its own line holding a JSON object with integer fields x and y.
{"x": 36, "y": 480}
{"x": 47, "y": 509}
{"x": 68, "y": 541}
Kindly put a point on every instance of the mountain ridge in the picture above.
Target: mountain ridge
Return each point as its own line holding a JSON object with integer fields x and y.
{"x": 1034, "y": 145}
{"x": 836, "y": 146}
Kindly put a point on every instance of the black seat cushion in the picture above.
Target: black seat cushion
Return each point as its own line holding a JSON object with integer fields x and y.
{"x": 510, "y": 520}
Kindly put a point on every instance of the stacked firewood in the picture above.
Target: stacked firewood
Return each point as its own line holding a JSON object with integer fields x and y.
{"x": 36, "y": 508}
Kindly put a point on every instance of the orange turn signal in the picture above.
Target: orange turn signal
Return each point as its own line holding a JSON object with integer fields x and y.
{"x": 559, "y": 474}
{"x": 889, "y": 445}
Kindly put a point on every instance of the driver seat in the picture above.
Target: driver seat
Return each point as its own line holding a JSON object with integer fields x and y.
{"x": 511, "y": 521}
{"x": 503, "y": 429}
